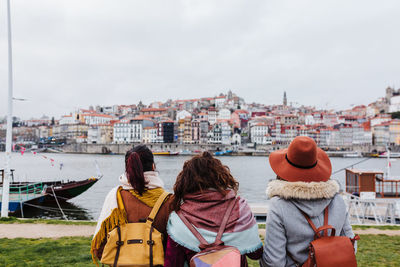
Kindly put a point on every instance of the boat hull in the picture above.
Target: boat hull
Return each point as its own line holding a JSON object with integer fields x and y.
{"x": 66, "y": 191}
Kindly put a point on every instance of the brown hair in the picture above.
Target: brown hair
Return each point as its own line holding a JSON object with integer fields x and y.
{"x": 200, "y": 173}
{"x": 138, "y": 160}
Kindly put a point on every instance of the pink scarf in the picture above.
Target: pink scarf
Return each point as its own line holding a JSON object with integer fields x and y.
{"x": 206, "y": 209}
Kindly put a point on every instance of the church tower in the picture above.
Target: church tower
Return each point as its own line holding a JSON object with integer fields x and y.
{"x": 284, "y": 99}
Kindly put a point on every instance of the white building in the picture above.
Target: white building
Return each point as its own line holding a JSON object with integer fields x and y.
{"x": 394, "y": 104}
{"x": 220, "y": 101}
{"x": 212, "y": 116}
{"x": 258, "y": 132}
{"x": 149, "y": 135}
{"x": 68, "y": 119}
{"x": 226, "y": 133}
{"x": 224, "y": 114}
{"x": 94, "y": 118}
{"x": 123, "y": 132}
{"x": 182, "y": 115}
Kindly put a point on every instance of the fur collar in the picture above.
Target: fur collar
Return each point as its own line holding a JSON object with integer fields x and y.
{"x": 302, "y": 190}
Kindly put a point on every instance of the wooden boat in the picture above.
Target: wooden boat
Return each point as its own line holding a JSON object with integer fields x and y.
{"x": 165, "y": 153}
{"x": 222, "y": 153}
{"x": 28, "y": 193}
{"x": 353, "y": 154}
{"x": 63, "y": 190}
{"x": 391, "y": 155}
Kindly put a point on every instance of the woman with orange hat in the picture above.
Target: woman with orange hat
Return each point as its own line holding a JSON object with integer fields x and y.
{"x": 303, "y": 189}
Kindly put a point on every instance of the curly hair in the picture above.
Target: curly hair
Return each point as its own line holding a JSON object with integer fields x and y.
{"x": 200, "y": 173}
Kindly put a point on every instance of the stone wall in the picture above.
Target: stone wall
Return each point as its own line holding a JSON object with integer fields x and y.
{"x": 122, "y": 148}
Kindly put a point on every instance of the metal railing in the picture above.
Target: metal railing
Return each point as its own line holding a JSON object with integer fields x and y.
{"x": 367, "y": 211}
{"x": 27, "y": 192}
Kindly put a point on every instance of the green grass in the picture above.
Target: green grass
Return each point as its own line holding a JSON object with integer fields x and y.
{"x": 380, "y": 227}
{"x": 373, "y": 250}
{"x": 10, "y": 220}
{"x": 21, "y": 252}
{"x": 358, "y": 227}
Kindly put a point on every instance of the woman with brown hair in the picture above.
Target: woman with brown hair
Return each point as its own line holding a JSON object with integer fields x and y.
{"x": 202, "y": 193}
{"x": 133, "y": 199}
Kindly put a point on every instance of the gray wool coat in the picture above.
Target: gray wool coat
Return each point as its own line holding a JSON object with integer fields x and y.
{"x": 287, "y": 230}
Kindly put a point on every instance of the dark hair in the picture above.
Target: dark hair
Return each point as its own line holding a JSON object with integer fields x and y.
{"x": 200, "y": 173}
{"x": 138, "y": 160}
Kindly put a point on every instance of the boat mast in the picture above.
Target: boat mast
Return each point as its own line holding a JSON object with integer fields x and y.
{"x": 7, "y": 171}
{"x": 388, "y": 162}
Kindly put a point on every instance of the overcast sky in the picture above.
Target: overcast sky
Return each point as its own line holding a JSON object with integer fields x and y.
{"x": 76, "y": 53}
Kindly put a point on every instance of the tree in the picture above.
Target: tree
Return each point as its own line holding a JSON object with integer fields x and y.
{"x": 396, "y": 115}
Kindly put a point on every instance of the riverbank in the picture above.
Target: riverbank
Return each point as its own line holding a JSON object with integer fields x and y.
{"x": 373, "y": 250}
{"x": 190, "y": 149}
{"x": 29, "y": 242}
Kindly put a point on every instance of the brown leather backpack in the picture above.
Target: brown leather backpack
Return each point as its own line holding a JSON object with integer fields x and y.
{"x": 329, "y": 251}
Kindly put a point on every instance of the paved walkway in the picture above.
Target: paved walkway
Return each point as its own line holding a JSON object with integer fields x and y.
{"x": 25, "y": 230}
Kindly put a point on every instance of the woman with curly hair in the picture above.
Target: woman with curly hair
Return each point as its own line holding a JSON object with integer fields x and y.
{"x": 203, "y": 191}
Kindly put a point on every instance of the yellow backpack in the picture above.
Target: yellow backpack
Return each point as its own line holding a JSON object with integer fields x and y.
{"x": 136, "y": 244}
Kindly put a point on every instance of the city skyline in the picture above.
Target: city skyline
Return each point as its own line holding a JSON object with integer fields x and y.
{"x": 328, "y": 54}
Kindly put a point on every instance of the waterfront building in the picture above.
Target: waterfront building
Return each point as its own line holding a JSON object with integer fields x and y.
{"x": 394, "y": 132}
{"x": 68, "y": 119}
{"x": 45, "y": 131}
{"x": 381, "y": 134}
{"x": 182, "y": 114}
{"x": 214, "y": 136}
{"x": 149, "y": 135}
{"x": 220, "y": 101}
{"x": 361, "y": 136}
{"x": 224, "y": 114}
{"x": 185, "y": 130}
{"x": 258, "y": 132}
{"x": 74, "y": 131}
{"x": 153, "y": 111}
{"x": 195, "y": 128}
{"x": 226, "y": 132}
{"x": 165, "y": 131}
{"x": 212, "y": 115}
{"x": 236, "y": 139}
{"x": 204, "y": 129}
{"x": 123, "y": 132}
{"x": 95, "y": 118}
{"x": 379, "y": 119}
{"x": 100, "y": 134}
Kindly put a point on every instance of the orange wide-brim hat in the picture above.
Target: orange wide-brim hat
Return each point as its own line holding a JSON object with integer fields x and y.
{"x": 302, "y": 161}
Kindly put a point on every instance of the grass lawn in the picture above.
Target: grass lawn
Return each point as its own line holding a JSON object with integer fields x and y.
{"x": 374, "y": 250}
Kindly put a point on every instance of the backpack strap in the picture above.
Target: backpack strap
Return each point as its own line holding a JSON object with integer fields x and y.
{"x": 194, "y": 231}
{"x": 225, "y": 221}
{"x": 324, "y": 227}
{"x": 203, "y": 243}
{"x": 157, "y": 207}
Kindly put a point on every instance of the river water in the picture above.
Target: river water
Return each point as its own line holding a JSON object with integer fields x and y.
{"x": 252, "y": 173}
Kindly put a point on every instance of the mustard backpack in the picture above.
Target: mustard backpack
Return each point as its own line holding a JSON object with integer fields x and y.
{"x": 136, "y": 244}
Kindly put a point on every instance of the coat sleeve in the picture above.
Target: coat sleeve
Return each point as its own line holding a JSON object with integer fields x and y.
{"x": 348, "y": 231}
{"x": 274, "y": 254}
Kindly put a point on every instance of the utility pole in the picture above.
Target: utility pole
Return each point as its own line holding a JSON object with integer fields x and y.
{"x": 7, "y": 171}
